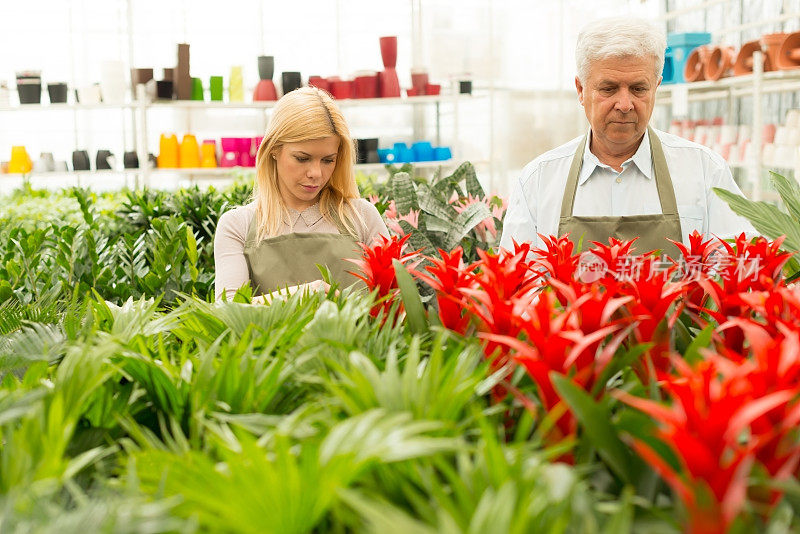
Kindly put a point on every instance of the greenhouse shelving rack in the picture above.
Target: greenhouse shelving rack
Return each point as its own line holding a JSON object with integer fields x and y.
{"x": 755, "y": 85}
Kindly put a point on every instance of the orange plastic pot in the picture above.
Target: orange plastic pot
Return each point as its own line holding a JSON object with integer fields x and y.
{"x": 189, "y": 157}
{"x": 789, "y": 53}
{"x": 772, "y": 43}
{"x": 744, "y": 59}
{"x": 694, "y": 71}
{"x": 167, "y": 152}
{"x": 20, "y": 161}
{"x": 719, "y": 62}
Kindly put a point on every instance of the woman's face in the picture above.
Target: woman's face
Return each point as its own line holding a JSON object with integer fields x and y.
{"x": 304, "y": 168}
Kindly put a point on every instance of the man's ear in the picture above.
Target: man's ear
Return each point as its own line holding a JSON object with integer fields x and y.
{"x": 579, "y": 88}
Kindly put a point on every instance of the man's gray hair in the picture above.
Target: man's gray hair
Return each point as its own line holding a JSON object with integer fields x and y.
{"x": 619, "y": 37}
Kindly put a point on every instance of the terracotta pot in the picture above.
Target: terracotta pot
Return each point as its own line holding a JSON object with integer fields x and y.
{"x": 719, "y": 62}
{"x": 744, "y": 59}
{"x": 694, "y": 71}
{"x": 772, "y": 42}
{"x": 789, "y": 54}
{"x": 389, "y": 51}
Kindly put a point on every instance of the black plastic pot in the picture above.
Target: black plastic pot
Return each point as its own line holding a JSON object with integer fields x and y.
{"x": 291, "y": 81}
{"x": 266, "y": 67}
{"x": 367, "y": 150}
{"x": 29, "y": 93}
{"x": 80, "y": 160}
{"x": 164, "y": 89}
{"x": 465, "y": 87}
{"x": 101, "y": 160}
{"x": 130, "y": 160}
{"x": 57, "y": 92}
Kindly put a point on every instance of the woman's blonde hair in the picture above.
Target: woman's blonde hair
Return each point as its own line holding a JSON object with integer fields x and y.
{"x": 305, "y": 114}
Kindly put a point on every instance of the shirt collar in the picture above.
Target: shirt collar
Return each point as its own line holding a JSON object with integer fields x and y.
{"x": 641, "y": 159}
{"x": 310, "y": 215}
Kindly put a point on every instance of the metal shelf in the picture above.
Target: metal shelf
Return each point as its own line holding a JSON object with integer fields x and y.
{"x": 69, "y": 107}
{"x": 345, "y": 103}
{"x": 771, "y": 82}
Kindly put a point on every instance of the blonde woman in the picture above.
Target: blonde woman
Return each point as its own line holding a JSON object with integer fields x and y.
{"x": 306, "y": 208}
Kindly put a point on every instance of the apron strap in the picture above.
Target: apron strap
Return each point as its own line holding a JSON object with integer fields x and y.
{"x": 572, "y": 179}
{"x": 666, "y": 191}
{"x": 250, "y": 238}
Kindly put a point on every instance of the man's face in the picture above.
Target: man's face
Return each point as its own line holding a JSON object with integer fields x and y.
{"x": 618, "y": 99}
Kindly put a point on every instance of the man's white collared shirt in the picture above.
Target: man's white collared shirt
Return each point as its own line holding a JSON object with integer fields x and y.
{"x": 535, "y": 202}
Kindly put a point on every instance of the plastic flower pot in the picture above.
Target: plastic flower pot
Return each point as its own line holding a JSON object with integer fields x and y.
{"x": 772, "y": 43}
{"x": 719, "y": 62}
{"x": 80, "y": 160}
{"x": 788, "y": 56}
{"x": 266, "y": 67}
{"x": 365, "y": 85}
{"x": 744, "y": 59}
{"x": 265, "y": 91}
{"x": 130, "y": 160}
{"x": 419, "y": 79}
{"x": 164, "y": 89}
{"x": 319, "y": 82}
{"x": 389, "y": 51}
{"x": 189, "y": 154}
{"x": 208, "y": 154}
{"x": 236, "y": 87}
{"x": 442, "y": 153}
{"x": 229, "y": 144}
{"x": 681, "y": 45}
{"x": 433, "y": 89}
{"x": 215, "y": 88}
{"x": 103, "y": 160}
{"x": 465, "y": 87}
{"x": 694, "y": 69}
{"x": 341, "y": 89}
{"x": 197, "y": 89}
{"x": 168, "y": 152}
{"x": 290, "y": 81}
{"x": 57, "y": 93}
{"x": 20, "y": 162}
{"x": 29, "y": 92}
{"x": 386, "y": 155}
{"x": 423, "y": 151}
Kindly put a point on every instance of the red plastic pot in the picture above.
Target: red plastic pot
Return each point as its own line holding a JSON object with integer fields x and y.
{"x": 365, "y": 86}
{"x": 319, "y": 82}
{"x": 389, "y": 51}
{"x": 341, "y": 89}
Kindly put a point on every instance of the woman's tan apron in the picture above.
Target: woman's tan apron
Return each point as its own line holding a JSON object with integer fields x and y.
{"x": 652, "y": 229}
{"x": 292, "y": 259}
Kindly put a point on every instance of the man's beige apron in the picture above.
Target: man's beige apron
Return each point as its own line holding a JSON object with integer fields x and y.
{"x": 291, "y": 259}
{"x": 652, "y": 230}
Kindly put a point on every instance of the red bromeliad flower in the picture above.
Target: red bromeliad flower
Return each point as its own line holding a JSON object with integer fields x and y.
{"x": 554, "y": 340}
{"x": 713, "y": 405}
{"x": 773, "y": 366}
{"x": 742, "y": 267}
{"x": 617, "y": 257}
{"x": 653, "y": 294}
{"x": 697, "y": 263}
{"x": 377, "y": 270}
{"x": 503, "y": 286}
{"x": 449, "y": 275}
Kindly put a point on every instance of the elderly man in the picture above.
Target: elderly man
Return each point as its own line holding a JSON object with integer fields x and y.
{"x": 622, "y": 179}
